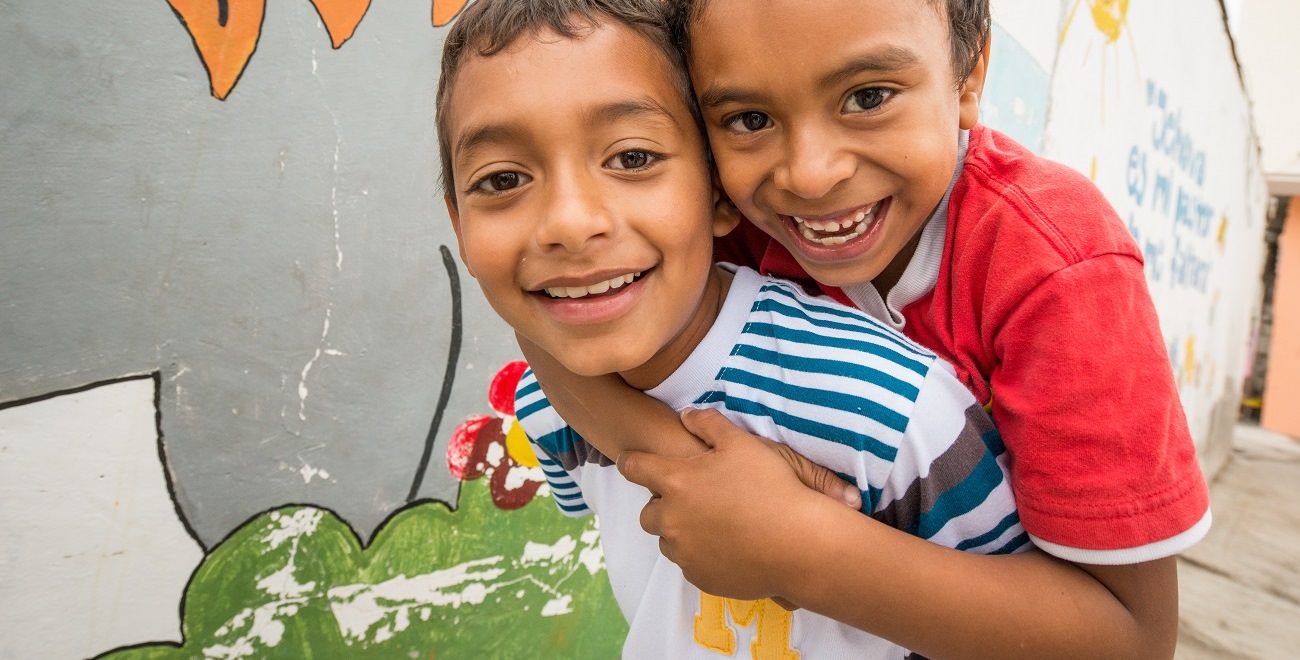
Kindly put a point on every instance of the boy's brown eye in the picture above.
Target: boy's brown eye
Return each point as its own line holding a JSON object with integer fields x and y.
{"x": 753, "y": 121}
{"x": 503, "y": 180}
{"x": 631, "y": 160}
{"x": 500, "y": 182}
{"x": 634, "y": 159}
{"x": 867, "y": 99}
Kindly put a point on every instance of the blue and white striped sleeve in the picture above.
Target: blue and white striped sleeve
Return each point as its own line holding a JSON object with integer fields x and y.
{"x": 950, "y": 483}
{"x": 553, "y": 441}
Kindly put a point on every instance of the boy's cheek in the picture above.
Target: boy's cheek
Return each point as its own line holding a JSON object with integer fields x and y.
{"x": 454, "y": 215}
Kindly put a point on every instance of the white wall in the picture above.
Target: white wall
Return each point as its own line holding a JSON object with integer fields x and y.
{"x": 1269, "y": 48}
{"x": 95, "y": 555}
{"x": 1169, "y": 140}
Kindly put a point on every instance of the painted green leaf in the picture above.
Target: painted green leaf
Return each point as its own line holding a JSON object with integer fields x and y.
{"x": 476, "y": 583}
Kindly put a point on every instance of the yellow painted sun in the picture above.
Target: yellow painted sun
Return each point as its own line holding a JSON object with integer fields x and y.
{"x": 1110, "y": 22}
{"x": 1109, "y": 17}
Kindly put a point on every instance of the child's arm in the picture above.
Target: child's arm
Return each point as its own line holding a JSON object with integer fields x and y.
{"x": 614, "y": 417}
{"x": 727, "y": 517}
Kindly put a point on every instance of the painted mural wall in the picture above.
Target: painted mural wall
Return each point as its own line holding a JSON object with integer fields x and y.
{"x": 1129, "y": 107}
{"x": 251, "y": 407}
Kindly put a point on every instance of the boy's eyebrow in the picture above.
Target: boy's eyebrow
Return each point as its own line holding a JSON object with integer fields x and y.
{"x": 884, "y": 60}
{"x": 478, "y": 136}
{"x": 633, "y": 108}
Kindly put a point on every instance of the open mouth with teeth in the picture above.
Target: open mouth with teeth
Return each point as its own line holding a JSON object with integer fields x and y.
{"x": 830, "y": 232}
{"x": 597, "y": 289}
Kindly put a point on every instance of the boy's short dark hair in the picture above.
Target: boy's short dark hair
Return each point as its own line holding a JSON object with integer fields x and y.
{"x": 969, "y": 23}
{"x": 487, "y": 27}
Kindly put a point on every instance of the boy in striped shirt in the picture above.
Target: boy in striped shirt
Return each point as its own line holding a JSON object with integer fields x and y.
{"x": 579, "y": 188}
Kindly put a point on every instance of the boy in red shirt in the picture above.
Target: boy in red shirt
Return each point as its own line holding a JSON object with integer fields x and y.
{"x": 846, "y": 132}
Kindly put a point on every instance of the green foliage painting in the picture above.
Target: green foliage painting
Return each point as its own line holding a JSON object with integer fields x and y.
{"x": 480, "y": 582}
{"x": 506, "y": 575}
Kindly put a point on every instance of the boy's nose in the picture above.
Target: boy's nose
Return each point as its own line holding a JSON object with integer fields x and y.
{"x": 812, "y": 165}
{"x": 575, "y": 213}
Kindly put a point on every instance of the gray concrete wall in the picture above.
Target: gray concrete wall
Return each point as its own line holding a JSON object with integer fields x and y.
{"x": 278, "y": 258}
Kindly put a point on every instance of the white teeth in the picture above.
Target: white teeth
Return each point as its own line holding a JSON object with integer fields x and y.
{"x": 813, "y": 230}
{"x": 597, "y": 288}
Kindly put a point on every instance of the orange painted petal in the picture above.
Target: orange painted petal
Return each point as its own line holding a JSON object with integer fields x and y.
{"x": 445, "y": 10}
{"x": 341, "y": 17}
{"x": 225, "y": 32}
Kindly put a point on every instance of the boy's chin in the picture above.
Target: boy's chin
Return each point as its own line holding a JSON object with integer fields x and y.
{"x": 842, "y": 277}
{"x": 586, "y": 367}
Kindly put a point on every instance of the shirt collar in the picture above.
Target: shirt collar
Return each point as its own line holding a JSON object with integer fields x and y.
{"x": 922, "y": 270}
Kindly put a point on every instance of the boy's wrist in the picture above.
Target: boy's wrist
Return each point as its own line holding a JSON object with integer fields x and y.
{"x": 807, "y": 536}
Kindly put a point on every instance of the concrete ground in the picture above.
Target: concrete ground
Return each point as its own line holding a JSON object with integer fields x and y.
{"x": 1240, "y": 587}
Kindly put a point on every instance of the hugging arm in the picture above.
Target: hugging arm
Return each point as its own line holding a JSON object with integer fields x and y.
{"x": 726, "y": 515}
{"x": 614, "y": 417}
{"x": 728, "y": 518}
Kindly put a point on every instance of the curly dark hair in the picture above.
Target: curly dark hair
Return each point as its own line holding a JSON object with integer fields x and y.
{"x": 969, "y": 22}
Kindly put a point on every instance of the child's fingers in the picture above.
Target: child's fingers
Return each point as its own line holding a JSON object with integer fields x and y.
{"x": 651, "y": 521}
{"x": 708, "y": 425}
{"x": 644, "y": 469}
{"x": 819, "y": 478}
{"x": 718, "y": 433}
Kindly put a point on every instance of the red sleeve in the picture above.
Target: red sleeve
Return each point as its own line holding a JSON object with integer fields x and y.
{"x": 1084, "y": 396}
{"x": 1043, "y": 307}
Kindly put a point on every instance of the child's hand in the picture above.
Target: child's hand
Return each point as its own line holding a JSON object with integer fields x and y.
{"x": 710, "y": 426}
{"x": 735, "y": 517}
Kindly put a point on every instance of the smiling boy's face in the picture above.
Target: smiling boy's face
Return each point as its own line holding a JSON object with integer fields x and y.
{"x": 834, "y": 124}
{"x": 584, "y": 205}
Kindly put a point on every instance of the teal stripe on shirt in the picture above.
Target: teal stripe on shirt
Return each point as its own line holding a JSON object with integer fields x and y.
{"x": 1010, "y": 520}
{"x": 823, "y": 342}
{"x": 811, "y": 365}
{"x": 814, "y": 428}
{"x": 962, "y": 498}
{"x": 531, "y": 409}
{"x": 861, "y": 323}
{"x": 856, "y": 405}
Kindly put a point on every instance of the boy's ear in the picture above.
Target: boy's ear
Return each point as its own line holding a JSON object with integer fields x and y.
{"x": 725, "y": 214}
{"x": 455, "y": 226}
{"x": 973, "y": 88}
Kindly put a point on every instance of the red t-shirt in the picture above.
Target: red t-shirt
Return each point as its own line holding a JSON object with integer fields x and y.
{"x": 1042, "y": 308}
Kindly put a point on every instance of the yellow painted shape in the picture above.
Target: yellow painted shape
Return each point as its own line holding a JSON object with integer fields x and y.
{"x": 445, "y": 10}
{"x": 1069, "y": 20}
{"x": 225, "y": 40}
{"x": 341, "y": 17}
{"x": 518, "y": 447}
{"x": 1189, "y": 361}
{"x": 1109, "y": 17}
{"x": 772, "y": 641}
{"x": 1222, "y": 238}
